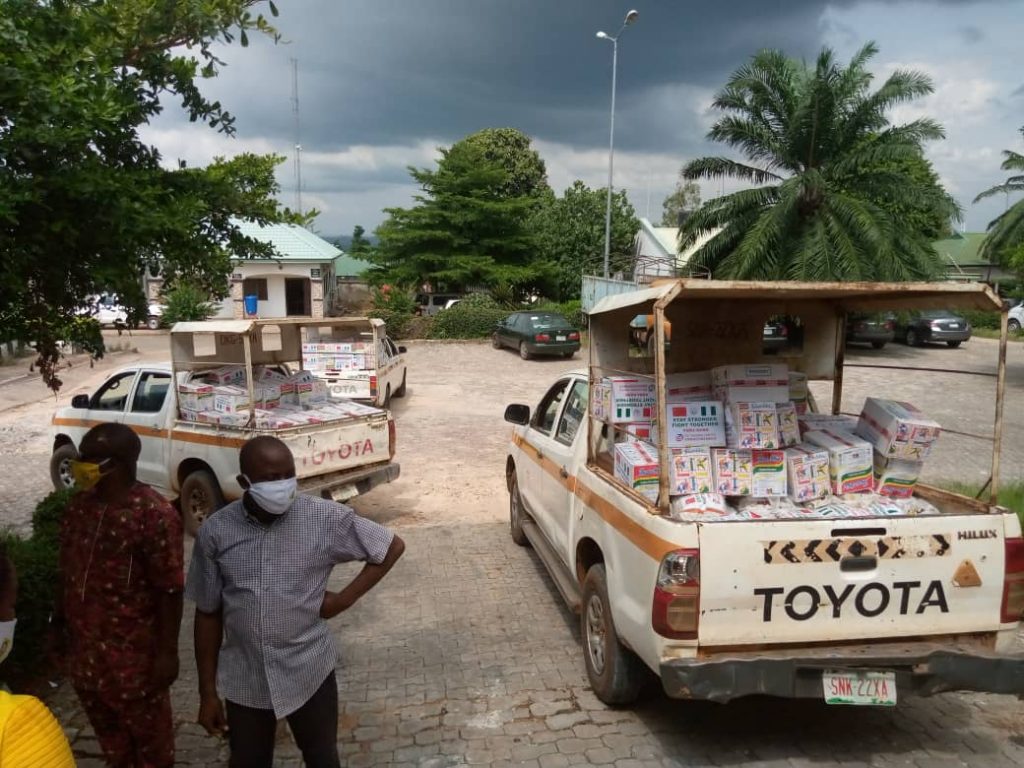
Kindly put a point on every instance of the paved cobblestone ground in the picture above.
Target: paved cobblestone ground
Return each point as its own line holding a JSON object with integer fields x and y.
{"x": 465, "y": 655}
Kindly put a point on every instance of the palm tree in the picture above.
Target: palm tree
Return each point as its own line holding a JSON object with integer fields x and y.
{"x": 832, "y": 180}
{"x": 1006, "y": 231}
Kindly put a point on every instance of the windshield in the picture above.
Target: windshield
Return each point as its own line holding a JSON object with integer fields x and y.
{"x": 541, "y": 321}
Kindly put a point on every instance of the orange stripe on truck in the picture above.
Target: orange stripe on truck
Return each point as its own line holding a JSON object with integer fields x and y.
{"x": 651, "y": 545}
{"x": 180, "y": 436}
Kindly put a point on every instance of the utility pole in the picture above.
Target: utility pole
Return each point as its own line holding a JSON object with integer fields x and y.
{"x": 298, "y": 135}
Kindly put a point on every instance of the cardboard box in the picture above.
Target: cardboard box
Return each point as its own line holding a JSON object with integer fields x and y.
{"x": 640, "y": 430}
{"x": 849, "y": 457}
{"x": 624, "y": 399}
{"x": 687, "y": 387}
{"x": 637, "y": 467}
{"x": 897, "y": 430}
{"x": 753, "y": 425}
{"x": 789, "y": 426}
{"x": 807, "y": 468}
{"x": 798, "y": 389}
{"x": 240, "y": 419}
{"x": 695, "y": 424}
{"x": 272, "y": 420}
{"x": 187, "y": 414}
{"x": 311, "y": 394}
{"x": 768, "y": 470}
{"x": 817, "y": 421}
{"x": 896, "y": 478}
{"x": 228, "y": 374}
{"x": 699, "y": 504}
{"x": 733, "y": 471}
{"x": 690, "y": 471}
{"x": 230, "y": 399}
{"x": 751, "y": 383}
{"x": 195, "y": 396}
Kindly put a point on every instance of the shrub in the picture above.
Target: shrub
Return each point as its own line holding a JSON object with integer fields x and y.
{"x": 186, "y": 302}
{"x": 472, "y": 318}
{"x": 396, "y": 308}
{"x": 573, "y": 311}
{"x": 36, "y": 560}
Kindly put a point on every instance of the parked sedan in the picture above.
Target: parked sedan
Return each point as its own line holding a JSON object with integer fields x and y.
{"x": 876, "y": 330}
{"x": 934, "y": 325}
{"x": 537, "y": 333}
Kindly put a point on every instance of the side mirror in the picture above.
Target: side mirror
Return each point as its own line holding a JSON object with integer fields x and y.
{"x": 402, "y": 350}
{"x": 80, "y": 401}
{"x": 517, "y": 414}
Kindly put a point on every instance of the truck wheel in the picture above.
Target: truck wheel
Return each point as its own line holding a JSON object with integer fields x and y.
{"x": 515, "y": 513}
{"x": 400, "y": 392}
{"x": 953, "y": 344}
{"x": 60, "y": 467}
{"x": 1013, "y": 325}
{"x": 615, "y": 673}
{"x": 153, "y": 323}
{"x": 913, "y": 340}
{"x": 200, "y": 498}
{"x": 523, "y": 351}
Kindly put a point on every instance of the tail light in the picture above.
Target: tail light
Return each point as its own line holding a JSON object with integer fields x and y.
{"x": 373, "y": 386}
{"x": 1013, "y": 582}
{"x": 574, "y": 336}
{"x": 392, "y": 438}
{"x": 542, "y": 337}
{"x": 784, "y": 331}
{"x": 676, "y": 610}
{"x": 890, "y": 325}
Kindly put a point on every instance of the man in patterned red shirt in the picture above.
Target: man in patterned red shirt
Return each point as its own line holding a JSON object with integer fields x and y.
{"x": 121, "y": 598}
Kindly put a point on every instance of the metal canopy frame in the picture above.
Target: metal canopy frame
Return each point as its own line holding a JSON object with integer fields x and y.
{"x": 700, "y": 305}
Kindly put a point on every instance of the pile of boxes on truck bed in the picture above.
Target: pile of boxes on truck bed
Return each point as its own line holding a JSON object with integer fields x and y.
{"x": 744, "y": 444}
{"x": 221, "y": 397}
{"x": 338, "y": 356}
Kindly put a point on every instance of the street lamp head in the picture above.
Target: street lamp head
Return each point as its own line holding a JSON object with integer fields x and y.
{"x": 631, "y": 17}
{"x": 602, "y": 36}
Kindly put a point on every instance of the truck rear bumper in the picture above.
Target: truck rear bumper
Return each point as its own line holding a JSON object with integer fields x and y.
{"x": 345, "y": 485}
{"x": 799, "y": 675}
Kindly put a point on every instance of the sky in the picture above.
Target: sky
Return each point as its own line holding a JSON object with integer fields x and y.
{"x": 383, "y": 83}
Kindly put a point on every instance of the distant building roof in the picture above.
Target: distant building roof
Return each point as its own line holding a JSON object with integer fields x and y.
{"x": 349, "y": 266}
{"x": 291, "y": 241}
{"x": 961, "y": 249}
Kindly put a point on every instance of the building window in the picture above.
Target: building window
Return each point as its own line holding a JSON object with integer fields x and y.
{"x": 255, "y": 286}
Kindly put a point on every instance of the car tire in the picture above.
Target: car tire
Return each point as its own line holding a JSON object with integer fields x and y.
{"x": 153, "y": 323}
{"x": 615, "y": 673}
{"x": 60, "y": 468}
{"x": 912, "y": 339}
{"x": 568, "y": 355}
{"x": 200, "y": 497}
{"x": 878, "y": 344}
{"x": 1013, "y": 325}
{"x": 516, "y": 513}
{"x": 953, "y": 344}
{"x": 387, "y": 397}
{"x": 523, "y": 351}
{"x": 400, "y": 392}
{"x": 495, "y": 342}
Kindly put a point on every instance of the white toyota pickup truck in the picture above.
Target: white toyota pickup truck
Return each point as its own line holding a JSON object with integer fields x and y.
{"x": 336, "y": 456}
{"x": 853, "y": 610}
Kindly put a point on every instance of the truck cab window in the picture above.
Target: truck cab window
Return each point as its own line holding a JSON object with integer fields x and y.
{"x": 573, "y": 414}
{"x": 544, "y": 418}
{"x": 113, "y": 395}
{"x": 151, "y": 392}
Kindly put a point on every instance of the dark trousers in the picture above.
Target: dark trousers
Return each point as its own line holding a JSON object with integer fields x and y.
{"x": 314, "y": 725}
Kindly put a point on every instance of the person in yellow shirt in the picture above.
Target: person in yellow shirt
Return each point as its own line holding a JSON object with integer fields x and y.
{"x": 30, "y": 736}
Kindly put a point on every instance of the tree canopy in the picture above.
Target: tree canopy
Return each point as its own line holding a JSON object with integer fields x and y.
{"x": 85, "y": 204}
{"x": 684, "y": 198}
{"x": 830, "y": 177}
{"x": 1006, "y": 232}
{"x": 569, "y": 233}
{"x": 513, "y": 151}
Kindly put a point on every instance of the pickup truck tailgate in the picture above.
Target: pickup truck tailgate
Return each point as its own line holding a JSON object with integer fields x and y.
{"x": 806, "y": 581}
{"x": 339, "y": 445}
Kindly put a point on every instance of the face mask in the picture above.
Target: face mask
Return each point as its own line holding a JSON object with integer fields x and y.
{"x": 88, "y": 473}
{"x": 274, "y": 496}
{"x": 6, "y": 637}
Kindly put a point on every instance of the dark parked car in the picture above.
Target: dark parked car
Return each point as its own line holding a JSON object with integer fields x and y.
{"x": 876, "y": 330}
{"x": 537, "y": 333}
{"x": 934, "y": 325}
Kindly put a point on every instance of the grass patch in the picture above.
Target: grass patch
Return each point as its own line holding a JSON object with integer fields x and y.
{"x": 988, "y": 333}
{"x": 1011, "y": 495}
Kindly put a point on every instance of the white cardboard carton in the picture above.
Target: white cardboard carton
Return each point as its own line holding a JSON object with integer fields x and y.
{"x": 228, "y": 374}
{"x": 768, "y": 469}
{"x": 789, "y": 426}
{"x": 637, "y": 467}
{"x": 897, "y": 430}
{"x": 751, "y": 383}
{"x": 849, "y": 458}
{"x": 733, "y": 471}
{"x": 808, "y": 472}
{"x": 624, "y": 399}
{"x": 810, "y": 422}
{"x": 695, "y": 424}
{"x": 195, "y": 396}
{"x": 643, "y": 431}
{"x": 230, "y": 399}
{"x": 896, "y": 478}
{"x": 687, "y": 387}
{"x": 699, "y": 504}
{"x": 690, "y": 471}
{"x": 753, "y": 425}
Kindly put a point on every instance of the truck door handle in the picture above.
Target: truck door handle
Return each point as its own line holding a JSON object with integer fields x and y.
{"x": 858, "y": 564}
{"x": 564, "y": 473}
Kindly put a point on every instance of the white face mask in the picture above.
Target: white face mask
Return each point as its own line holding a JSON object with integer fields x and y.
{"x": 274, "y": 496}
{"x": 6, "y": 637}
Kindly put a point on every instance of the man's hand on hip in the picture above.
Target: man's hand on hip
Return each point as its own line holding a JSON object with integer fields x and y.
{"x": 335, "y": 603}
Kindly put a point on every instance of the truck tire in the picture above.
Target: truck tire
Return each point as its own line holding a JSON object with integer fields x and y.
{"x": 400, "y": 392}
{"x": 1013, "y": 325}
{"x": 912, "y": 339}
{"x": 615, "y": 673}
{"x": 153, "y": 323}
{"x": 200, "y": 498}
{"x": 60, "y": 469}
{"x": 515, "y": 512}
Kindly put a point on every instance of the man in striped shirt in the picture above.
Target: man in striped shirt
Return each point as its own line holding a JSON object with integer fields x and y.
{"x": 259, "y": 581}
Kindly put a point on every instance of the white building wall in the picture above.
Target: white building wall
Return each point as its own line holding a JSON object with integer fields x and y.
{"x": 274, "y": 305}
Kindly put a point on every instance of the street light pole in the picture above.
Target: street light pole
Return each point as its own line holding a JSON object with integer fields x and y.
{"x": 630, "y": 18}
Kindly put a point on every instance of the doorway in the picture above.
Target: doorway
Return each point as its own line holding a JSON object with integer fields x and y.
{"x": 297, "y": 297}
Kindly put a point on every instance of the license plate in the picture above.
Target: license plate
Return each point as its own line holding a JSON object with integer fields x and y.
{"x": 344, "y": 493}
{"x": 872, "y": 689}
{"x": 559, "y": 338}
{"x": 954, "y": 326}
{"x": 769, "y": 332}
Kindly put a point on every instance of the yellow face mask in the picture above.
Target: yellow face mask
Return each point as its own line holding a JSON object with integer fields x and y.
{"x": 87, "y": 473}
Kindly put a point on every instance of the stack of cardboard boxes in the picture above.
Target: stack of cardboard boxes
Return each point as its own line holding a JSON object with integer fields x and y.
{"x": 338, "y": 356}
